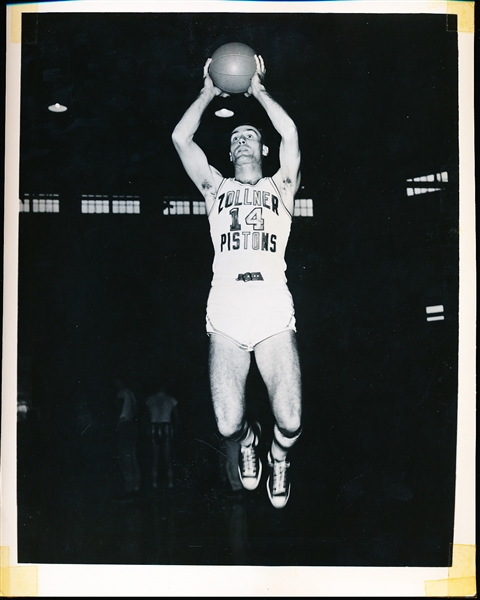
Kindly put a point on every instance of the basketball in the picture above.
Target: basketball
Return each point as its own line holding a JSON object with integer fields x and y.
{"x": 232, "y": 67}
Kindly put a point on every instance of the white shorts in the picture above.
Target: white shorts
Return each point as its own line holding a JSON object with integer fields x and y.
{"x": 249, "y": 312}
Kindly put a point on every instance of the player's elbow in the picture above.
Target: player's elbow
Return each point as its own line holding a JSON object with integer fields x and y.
{"x": 178, "y": 138}
{"x": 290, "y": 133}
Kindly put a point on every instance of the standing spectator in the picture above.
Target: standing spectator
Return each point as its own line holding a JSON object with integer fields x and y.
{"x": 163, "y": 412}
{"x": 127, "y": 439}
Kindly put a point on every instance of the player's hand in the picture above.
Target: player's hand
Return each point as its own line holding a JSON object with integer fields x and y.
{"x": 208, "y": 81}
{"x": 256, "y": 84}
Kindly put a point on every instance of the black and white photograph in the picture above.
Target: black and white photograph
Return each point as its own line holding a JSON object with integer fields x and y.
{"x": 238, "y": 288}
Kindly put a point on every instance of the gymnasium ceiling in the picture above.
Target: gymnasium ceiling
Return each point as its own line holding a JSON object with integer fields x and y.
{"x": 373, "y": 96}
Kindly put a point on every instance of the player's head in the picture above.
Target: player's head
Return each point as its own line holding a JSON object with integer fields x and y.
{"x": 252, "y": 126}
{"x": 247, "y": 142}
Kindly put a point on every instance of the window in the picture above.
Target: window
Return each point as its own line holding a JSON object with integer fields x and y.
{"x": 95, "y": 203}
{"x": 432, "y": 310}
{"x": 125, "y": 204}
{"x": 40, "y": 203}
{"x": 198, "y": 207}
{"x": 425, "y": 190}
{"x": 303, "y": 208}
{"x": 179, "y": 206}
{"x": 434, "y": 178}
{"x": 117, "y": 204}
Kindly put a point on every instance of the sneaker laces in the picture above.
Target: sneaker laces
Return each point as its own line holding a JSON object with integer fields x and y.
{"x": 249, "y": 461}
{"x": 279, "y": 477}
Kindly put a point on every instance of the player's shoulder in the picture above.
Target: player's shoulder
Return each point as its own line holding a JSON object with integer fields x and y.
{"x": 216, "y": 176}
{"x": 210, "y": 188}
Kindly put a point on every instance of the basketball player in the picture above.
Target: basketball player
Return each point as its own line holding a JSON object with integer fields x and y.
{"x": 250, "y": 308}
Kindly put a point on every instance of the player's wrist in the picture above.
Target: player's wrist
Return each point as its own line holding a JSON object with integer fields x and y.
{"x": 258, "y": 89}
{"x": 208, "y": 93}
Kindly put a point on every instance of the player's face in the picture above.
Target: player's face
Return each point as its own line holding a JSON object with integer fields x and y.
{"x": 245, "y": 144}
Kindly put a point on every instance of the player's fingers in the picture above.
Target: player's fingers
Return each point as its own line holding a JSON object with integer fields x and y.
{"x": 205, "y": 68}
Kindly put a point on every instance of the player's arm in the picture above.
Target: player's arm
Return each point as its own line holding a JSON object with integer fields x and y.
{"x": 288, "y": 176}
{"x": 204, "y": 176}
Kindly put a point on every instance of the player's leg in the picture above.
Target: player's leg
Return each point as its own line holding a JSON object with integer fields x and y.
{"x": 229, "y": 366}
{"x": 156, "y": 440}
{"x": 232, "y": 450}
{"x": 278, "y": 362}
{"x": 127, "y": 441}
{"x": 168, "y": 451}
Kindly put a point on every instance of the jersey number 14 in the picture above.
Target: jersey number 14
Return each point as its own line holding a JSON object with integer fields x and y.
{"x": 254, "y": 218}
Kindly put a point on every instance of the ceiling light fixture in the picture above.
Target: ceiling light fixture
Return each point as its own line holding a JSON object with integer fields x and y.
{"x": 224, "y": 113}
{"x": 57, "y": 108}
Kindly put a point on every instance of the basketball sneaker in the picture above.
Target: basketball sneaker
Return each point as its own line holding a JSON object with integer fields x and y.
{"x": 278, "y": 482}
{"x": 249, "y": 463}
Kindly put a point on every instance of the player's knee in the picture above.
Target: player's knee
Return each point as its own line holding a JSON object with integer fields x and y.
{"x": 292, "y": 429}
{"x": 233, "y": 432}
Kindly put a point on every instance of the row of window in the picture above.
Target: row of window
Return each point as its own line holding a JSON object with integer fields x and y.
{"x": 183, "y": 207}
{"x": 435, "y": 313}
{"x": 443, "y": 176}
{"x": 126, "y": 204}
{"x": 425, "y": 190}
{"x": 433, "y": 177}
{"x": 101, "y": 204}
{"x": 40, "y": 205}
{"x": 117, "y": 206}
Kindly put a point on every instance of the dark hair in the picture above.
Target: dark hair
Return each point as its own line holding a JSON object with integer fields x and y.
{"x": 263, "y": 138}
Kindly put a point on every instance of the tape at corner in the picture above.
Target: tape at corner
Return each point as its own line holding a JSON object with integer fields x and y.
{"x": 461, "y": 581}
{"x": 17, "y": 581}
{"x": 16, "y": 11}
{"x": 465, "y": 12}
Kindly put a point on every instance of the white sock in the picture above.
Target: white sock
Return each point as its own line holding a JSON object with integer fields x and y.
{"x": 281, "y": 444}
{"x": 249, "y": 437}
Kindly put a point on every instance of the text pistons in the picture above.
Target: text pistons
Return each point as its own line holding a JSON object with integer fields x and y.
{"x": 246, "y": 240}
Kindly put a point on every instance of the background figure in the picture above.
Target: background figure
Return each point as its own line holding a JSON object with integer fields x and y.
{"x": 127, "y": 439}
{"x": 163, "y": 412}
{"x": 232, "y": 450}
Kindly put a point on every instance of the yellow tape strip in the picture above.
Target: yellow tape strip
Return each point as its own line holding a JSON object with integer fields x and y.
{"x": 465, "y": 12}
{"x": 16, "y": 581}
{"x": 16, "y": 11}
{"x": 462, "y": 580}
{"x": 23, "y": 581}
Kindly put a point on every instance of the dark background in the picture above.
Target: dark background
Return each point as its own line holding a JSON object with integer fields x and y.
{"x": 375, "y": 101}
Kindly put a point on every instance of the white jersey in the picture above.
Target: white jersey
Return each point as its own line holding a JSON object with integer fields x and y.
{"x": 160, "y": 407}
{"x": 250, "y": 227}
